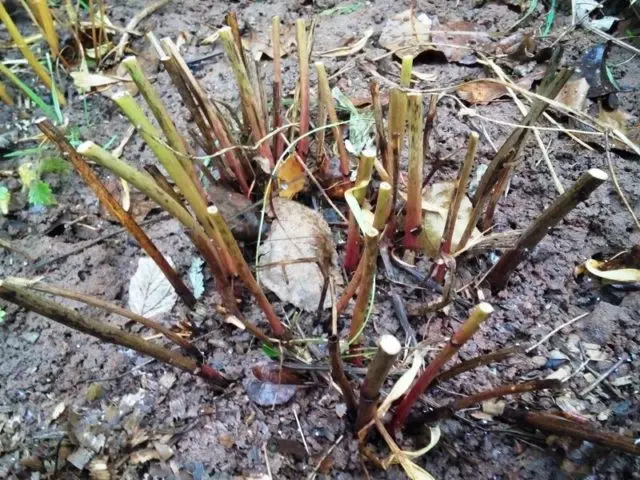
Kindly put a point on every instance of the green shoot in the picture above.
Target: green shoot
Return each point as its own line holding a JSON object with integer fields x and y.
{"x": 33, "y": 96}
{"x": 40, "y": 194}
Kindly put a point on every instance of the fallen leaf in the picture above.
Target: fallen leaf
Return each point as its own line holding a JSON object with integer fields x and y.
{"x": 493, "y": 407}
{"x": 98, "y": 469}
{"x": 405, "y": 34}
{"x": 583, "y": 10}
{"x": 574, "y": 94}
{"x": 165, "y": 452}
{"x": 150, "y": 293}
{"x": 196, "y": 277}
{"x": 352, "y": 47}
{"x": 456, "y": 40}
{"x": 300, "y": 238}
{"x": 436, "y": 199}
{"x": 57, "y": 411}
{"x": 621, "y": 275}
{"x": 143, "y": 456}
{"x": 88, "y": 81}
{"x": 291, "y": 176}
{"x": 482, "y": 92}
{"x": 274, "y": 373}
{"x": 268, "y": 394}
{"x": 80, "y": 458}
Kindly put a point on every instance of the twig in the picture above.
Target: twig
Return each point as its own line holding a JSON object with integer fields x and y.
{"x": 325, "y": 96}
{"x": 110, "y": 307}
{"x": 401, "y": 315}
{"x": 614, "y": 177}
{"x": 313, "y": 474}
{"x": 133, "y": 23}
{"x": 477, "y": 316}
{"x": 478, "y": 362}
{"x": 303, "y": 62}
{"x": 539, "y": 228}
{"x": 449, "y": 410}
{"x": 105, "y": 197}
{"x": 277, "y": 86}
{"x": 304, "y": 440}
{"x": 15, "y": 293}
{"x": 338, "y": 375}
{"x": 602, "y": 377}
{"x": 366, "y": 285}
{"x": 555, "y": 424}
{"x": 556, "y": 330}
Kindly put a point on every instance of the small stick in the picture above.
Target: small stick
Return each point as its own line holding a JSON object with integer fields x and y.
{"x": 477, "y": 316}
{"x": 550, "y": 423}
{"x": 338, "y": 375}
{"x": 278, "y": 144}
{"x": 352, "y": 248}
{"x": 162, "y": 182}
{"x": 248, "y": 97}
{"x": 325, "y": 96}
{"x": 616, "y": 184}
{"x": 4, "y": 95}
{"x": 206, "y": 115}
{"x": 413, "y": 208}
{"x": 133, "y": 23}
{"x": 245, "y": 272}
{"x": 460, "y": 191}
{"x": 381, "y": 136}
{"x": 112, "y": 205}
{"x": 15, "y": 293}
{"x": 510, "y": 149}
{"x": 563, "y": 204}
{"x": 601, "y": 378}
{"x": 366, "y": 285}
{"x": 110, "y": 307}
{"x": 28, "y": 55}
{"x": 215, "y": 259}
{"x": 43, "y": 14}
{"x": 231, "y": 19}
{"x": 351, "y": 289}
{"x": 479, "y": 361}
{"x": 429, "y": 123}
{"x": 388, "y": 349}
{"x": 449, "y": 410}
{"x": 556, "y": 330}
{"x": 401, "y": 315}
{"x": 303, "y": 60}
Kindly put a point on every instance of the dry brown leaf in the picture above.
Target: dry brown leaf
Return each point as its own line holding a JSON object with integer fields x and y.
{"x": 259, "y": 42}
{"x": 482, "y": 92}
{"x": 352, "y": 47}
{"x": 574, "y": 94}
{"x": 455, "y": 40}
{"x": 436, "y": 201}
{"x": 291, "y": 177}
{"x": 299, "y": 239}
{"x": 405, "y": 34}
{"x": 621, "y": 275}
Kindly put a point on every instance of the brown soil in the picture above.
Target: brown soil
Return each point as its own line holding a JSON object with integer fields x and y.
{"x": 221, "y": 436}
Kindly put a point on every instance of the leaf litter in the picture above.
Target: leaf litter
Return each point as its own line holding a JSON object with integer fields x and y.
{"x": 300, "y": 239}
{"x": 150, "y": 293}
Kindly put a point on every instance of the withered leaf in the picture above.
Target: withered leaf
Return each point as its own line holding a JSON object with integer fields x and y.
{"x": 150, "y": 293}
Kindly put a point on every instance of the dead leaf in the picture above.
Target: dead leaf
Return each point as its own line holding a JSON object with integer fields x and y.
{"x": 299, "y": 239}
{"x": 621, "y": 275}
{"x": 291, "y": 176}
{"x": 456, "y": 40}
{"x": 258, "y": 42}
{"x": 57, "y": 411}
{"x": 140, "y": 457}
{"x": 268, "y": 394}
{"x": 352, "y": 47}
{"x": 165, "y": 452}
{"x": 482, "y": 92}
{"x": 405, "y": 34}
{"x": 493, "y": 407}
{"x": 436, "y": 199}
{"x": 574, "y": 94}
{"x": 98, "y": 469}
{"x": 273, "y": 373}
{"x": 150, "y": 293}
{"x": 87, "y": 81}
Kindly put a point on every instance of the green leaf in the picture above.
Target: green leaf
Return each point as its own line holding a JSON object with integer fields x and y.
{"x": 54, "y": 165}
{"x": 196, "y": 278}
{"x": 270, "y": 352}
{"x": 28, "y": 174}
{"x": 3, "y": 315}
{"x": 5, "y": 198}
{"x": 40, "y": 194}
{"x": 343, "y": 9}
